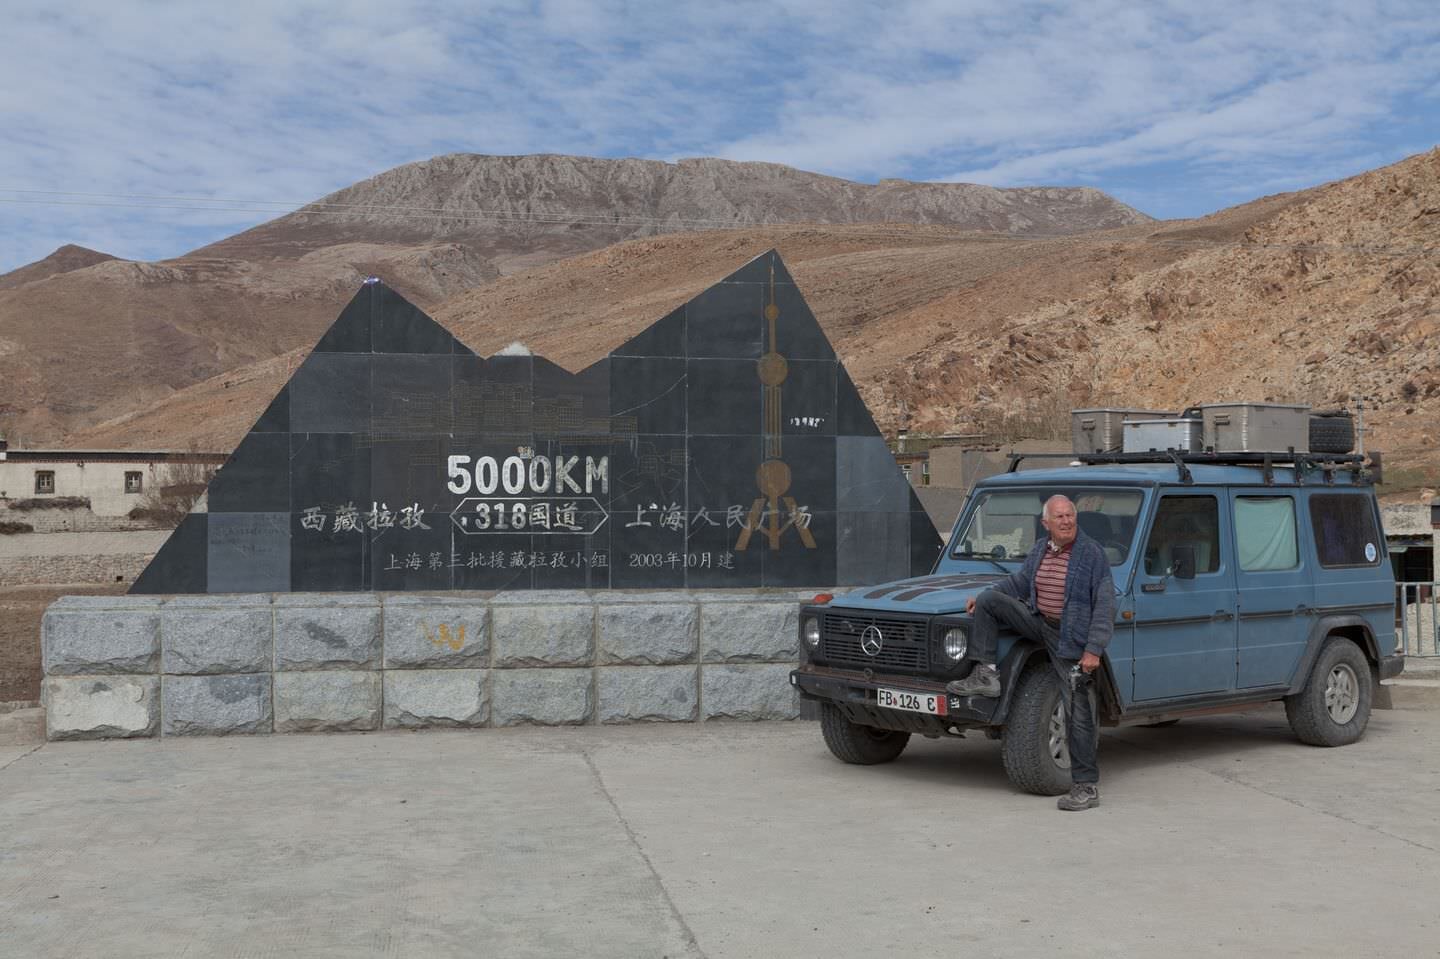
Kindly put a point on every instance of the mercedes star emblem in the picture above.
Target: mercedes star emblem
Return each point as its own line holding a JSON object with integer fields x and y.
{"x": 872, "y": 640}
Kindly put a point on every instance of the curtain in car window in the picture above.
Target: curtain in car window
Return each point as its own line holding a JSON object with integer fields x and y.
{"x": 1265, "y": 533}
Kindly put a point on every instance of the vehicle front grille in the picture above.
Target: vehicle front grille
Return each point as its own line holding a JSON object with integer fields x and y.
{"x": 904, "y": 647}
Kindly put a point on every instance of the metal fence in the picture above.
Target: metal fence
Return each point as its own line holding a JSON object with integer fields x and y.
{"x": 1416, "y": 619}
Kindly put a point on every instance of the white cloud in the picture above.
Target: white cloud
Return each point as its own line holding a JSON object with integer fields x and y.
{"x": 292, "y": 100}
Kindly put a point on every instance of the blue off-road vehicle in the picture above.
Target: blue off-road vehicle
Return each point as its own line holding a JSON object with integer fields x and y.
{"x": 1239, "y": 579}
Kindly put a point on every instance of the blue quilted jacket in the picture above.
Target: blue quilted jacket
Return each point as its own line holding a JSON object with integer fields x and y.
{"x": 1088, "y": 617}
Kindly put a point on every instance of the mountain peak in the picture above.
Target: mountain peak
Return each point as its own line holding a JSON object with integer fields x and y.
{"x": 64, "y": 260}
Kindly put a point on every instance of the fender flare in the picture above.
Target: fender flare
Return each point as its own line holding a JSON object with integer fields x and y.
{"x": 1026, "y": 652}
{"x": 1323, "y": 628}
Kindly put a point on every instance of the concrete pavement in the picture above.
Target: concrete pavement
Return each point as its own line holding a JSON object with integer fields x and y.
{"x": 1217, "y": 836}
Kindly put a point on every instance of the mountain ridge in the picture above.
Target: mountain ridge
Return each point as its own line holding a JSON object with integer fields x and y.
{"x": 88, "y": 337}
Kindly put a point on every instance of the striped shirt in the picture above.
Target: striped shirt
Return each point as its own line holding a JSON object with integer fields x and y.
{"x": 1050, "y": 580}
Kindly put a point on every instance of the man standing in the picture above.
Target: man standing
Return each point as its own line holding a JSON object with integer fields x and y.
{"x": 1064, "y": 598}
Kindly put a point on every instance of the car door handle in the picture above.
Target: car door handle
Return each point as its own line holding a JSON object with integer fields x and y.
{"x": 1303, "y": 610}
{"x": 1221, "y": 615}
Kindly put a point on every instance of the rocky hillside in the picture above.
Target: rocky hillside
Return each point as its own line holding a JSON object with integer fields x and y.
{"x": 1330, "y": 297}
{"x": 1327, "y": 296}
{"x": 85, "y": 337}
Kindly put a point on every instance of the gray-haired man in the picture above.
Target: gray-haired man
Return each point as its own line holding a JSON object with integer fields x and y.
{"x": 1063, "y": 598}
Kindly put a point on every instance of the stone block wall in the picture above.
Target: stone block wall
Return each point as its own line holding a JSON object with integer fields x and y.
{"x": 134, "y": 666}
{"x": 110, "y": 568}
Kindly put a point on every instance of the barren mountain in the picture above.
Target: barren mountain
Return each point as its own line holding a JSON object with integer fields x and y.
{"x": 64, "y": 260}
{"x": 85, "y": 337}
{"x": 1331, "y": 297}
{"x": 1327, "y": 296}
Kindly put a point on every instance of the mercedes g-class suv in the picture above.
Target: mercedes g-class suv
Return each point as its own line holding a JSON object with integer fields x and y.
{"x": 1238, "y": 581}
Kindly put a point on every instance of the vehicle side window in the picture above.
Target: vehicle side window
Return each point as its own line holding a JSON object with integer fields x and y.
{"x": 1265, "y": 533}
{"x": 1345, "y": 534}
{"x": 1192, "y": 521}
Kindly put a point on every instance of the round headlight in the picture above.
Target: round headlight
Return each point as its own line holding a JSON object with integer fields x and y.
{"x": 956, "y": 642}
{"x": 812, "y": 631}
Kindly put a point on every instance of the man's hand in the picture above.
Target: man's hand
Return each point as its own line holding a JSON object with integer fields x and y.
{"x": 1089, "y": 662}
{"x": 970, "y": 605}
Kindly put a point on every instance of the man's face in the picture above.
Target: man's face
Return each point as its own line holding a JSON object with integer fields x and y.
{"x": 1060, "y": 524}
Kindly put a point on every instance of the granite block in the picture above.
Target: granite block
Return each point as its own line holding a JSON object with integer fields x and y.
{"x": 543, "y": 635}
{"x": 330, "y": 637}
{"x": 327, "y": 701}
{"x": 648, "y": 635}
{"x": 102, "y": 641}
{"x": 101, "y": 707}
{"x": 216, "y": 705}
{"x": 748, "y": 692}
{"x": 417, "y": 698}
{"x": 544, "y": 697}
{"x": 437, "y": 636}
{"x": 749, "y": 633}
{"x": 647, "y": 694}
{"x": 225, "y": 640}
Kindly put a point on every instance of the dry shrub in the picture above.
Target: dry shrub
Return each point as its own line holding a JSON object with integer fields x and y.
{"x": 52, "y": 502}
{"x": 169, "y": 501}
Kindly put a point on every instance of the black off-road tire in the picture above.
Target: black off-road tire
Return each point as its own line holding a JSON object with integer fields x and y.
{"x": 857, "y": 744}
{"x": 1025, "y": 743}
{"x": 1162, "y": 724}
{"x": 1332, "y": 433}
{"x": 1313, "y": 720}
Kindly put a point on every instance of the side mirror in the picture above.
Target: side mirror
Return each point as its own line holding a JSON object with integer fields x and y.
{"x": 1182, "y": 562}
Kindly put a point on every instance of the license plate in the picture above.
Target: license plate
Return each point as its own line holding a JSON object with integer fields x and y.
{"x": 932, "y": 703}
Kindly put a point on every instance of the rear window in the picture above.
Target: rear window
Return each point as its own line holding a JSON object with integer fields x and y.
{"x": 1345, "y": 533}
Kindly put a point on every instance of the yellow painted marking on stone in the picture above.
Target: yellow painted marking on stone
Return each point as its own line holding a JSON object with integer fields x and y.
{"x": 454, "y": 640}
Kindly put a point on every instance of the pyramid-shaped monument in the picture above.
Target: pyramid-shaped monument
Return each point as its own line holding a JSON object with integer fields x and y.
{"x": 723, "y": 446}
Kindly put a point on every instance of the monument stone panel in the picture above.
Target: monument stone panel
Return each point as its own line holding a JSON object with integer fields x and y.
{"x": 723, "y": 446}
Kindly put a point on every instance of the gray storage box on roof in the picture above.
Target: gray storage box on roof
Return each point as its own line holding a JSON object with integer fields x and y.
{"x": 1102, "y": 430}
{"x": 1143, "y": 436}
{"x": 1256, "y": 427}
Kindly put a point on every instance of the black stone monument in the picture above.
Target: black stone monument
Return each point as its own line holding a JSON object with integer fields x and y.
{"x": 723, "y": 446}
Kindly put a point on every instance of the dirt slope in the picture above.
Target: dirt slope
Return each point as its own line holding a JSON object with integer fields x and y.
{"x": 85, "y": 337}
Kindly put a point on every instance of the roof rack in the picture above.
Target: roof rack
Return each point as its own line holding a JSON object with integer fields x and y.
{"x": 1364, "y": 468}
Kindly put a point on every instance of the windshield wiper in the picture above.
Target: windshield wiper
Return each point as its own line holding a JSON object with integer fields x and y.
{"x": 986, "y": 557}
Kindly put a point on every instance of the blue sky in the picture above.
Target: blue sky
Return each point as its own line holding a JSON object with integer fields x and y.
{"x": 1178, "y": 108}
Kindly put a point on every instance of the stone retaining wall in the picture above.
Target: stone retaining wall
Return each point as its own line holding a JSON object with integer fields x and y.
{"x": 79, "y": 519}
{"x": 128, "y": 666}
{"x": 112, "y": 568}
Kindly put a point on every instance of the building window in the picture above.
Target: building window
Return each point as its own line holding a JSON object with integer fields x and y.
{"x": 134, "y": 481}
{"x": 44, "y": 481}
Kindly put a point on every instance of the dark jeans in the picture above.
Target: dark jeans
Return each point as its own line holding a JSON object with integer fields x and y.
{"x": 993, "y": 609}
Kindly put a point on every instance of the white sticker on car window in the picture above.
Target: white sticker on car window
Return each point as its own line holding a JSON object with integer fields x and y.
{"x": 1369, "y": 552}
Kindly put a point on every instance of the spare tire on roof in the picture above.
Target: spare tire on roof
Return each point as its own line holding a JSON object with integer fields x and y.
{"x": 1332, "y": 431}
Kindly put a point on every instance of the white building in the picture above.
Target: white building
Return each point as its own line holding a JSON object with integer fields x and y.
{"x": 113, "y": 481}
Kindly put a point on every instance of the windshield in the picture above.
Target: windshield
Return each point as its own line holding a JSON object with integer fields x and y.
{"x": 1006, "y": 522}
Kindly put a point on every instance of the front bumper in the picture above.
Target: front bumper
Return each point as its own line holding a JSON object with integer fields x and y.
{"x": 1392, "y": 666}
{"x": 854, "y": 694}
